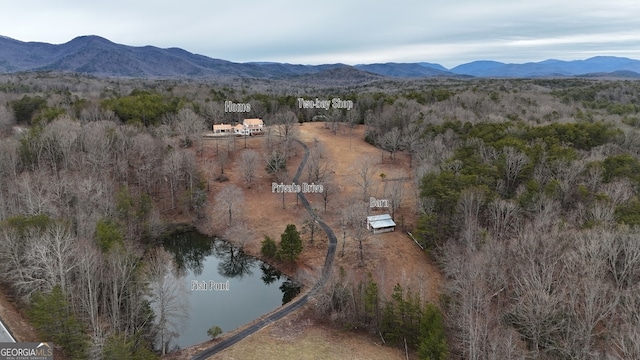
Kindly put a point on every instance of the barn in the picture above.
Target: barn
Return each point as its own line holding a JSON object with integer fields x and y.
{"x": 380, "y": 223}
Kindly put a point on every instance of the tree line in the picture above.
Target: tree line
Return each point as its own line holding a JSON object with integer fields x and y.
{"x": 526, "y": 194}
{"x": 80, "y": 206}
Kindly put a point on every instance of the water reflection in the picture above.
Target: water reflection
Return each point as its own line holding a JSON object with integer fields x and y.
{"x": 234, "y": 263}
{"x": 191, "y": 248}
{"x": 289, "y": 290}
{"x": 269, "y": 274}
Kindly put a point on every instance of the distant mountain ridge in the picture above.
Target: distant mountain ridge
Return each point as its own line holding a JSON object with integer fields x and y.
{"x": 551, "y": 67}
{"x": 99, "y": 56}
{"x": 405, "y": 70}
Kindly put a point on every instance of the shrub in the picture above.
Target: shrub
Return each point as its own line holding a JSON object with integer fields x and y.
{"x": 269, "y": 248}
{"x": 214, "y": 332}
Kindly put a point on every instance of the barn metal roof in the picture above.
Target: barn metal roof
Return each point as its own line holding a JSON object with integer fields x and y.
{"x": 378, "y": 217}
{"x": 382, "y": 223}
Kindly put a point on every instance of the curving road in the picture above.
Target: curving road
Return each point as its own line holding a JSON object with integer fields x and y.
{"x": 300, "y": 301}
{"x": 5, "y": 335}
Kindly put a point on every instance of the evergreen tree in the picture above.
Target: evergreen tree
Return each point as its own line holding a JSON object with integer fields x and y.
{"x": 401, "y": 317}
{"x": 51, "y": 315}
{"x": 107, "y": 234}
{"x": 25, "y": 108}
{"x": 412, "y": 308}
{"x": 269, "y": 247}
{"x": 290, "y": 244}
{"x": 388, "y": 328}
{"x": 433, "y": 344}
{"x": 371, "y": 301}
{"x": 118, "y": 347}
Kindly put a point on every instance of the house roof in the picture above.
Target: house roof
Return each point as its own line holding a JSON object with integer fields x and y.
{"x": 250, "y": 122}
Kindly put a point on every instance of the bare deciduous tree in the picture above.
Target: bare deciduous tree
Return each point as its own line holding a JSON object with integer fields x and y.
{"x": 222, "y": 159}
{"x": 317, "y": 165}
{"x": 33, "y": 193}
{"x": 396, "y": 195}
{"x": 119, "y": 284}
{"x": 503, "y": 214}
{"x": 286, "y": 128}
{"x": 13, "y": 252}
{"x": 514, "y": 163}
{"x": 89, "y": 275}
{"x": 392, "y": 141}
{"x": 52, "y": 256}
{"x": 469, "y": 205}
{"x": 470, "y": 317}
{"x": 276, "y": 166}
{"x": 146, "y": 161}
{"x": 627, "y": 339}
{"x": 6, "y": 119}
{"x": 172, "y": 173}
{"x": 311, "y": 226}
{"x": 239, "y": 233}
{"x": 329, "y": 189}
{"x": 364, "y": 167}
{"x": 538, "y": 295}
{"x": 353, "y": 118}
{"x": 619, "y": 191}
{"x": 62, "y": 139}
{"x": 360, "y": 234}
{"x": 230, "y": 200}
{"x": 98, "y": 144}
{"x": 168, "y": 296}
{"x": 248, "y": 163}
{"x": 189, "y": 127}
{"x": 622, "y": 251}
{"x": 411, "y": 140}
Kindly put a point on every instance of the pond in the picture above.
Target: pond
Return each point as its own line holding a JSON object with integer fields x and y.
{"x": 225, "y": 286}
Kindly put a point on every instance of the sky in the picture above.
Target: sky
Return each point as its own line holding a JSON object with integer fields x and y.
{"x": 351, "y": 32}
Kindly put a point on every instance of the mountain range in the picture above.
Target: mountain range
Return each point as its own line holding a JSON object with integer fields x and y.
{"x": 98, "y": 56}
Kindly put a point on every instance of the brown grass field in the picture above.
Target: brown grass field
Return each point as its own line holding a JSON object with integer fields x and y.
{"x": 391, "y": 258}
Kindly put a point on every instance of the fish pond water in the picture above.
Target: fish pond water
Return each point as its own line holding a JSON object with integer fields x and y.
{"x": 223, "y": 285}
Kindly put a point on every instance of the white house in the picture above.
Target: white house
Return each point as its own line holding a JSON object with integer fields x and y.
{"x": 239, "y": 129}
{"x": 380, "y": 223}
{"x": 247, "y": 128}
{"x": 254, "y": 126}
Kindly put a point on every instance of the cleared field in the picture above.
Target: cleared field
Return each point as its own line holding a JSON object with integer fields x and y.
{"x": 391, "y": 258}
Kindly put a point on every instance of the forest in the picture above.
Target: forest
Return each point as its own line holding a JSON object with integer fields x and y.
{"x": 526, "y": 196}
